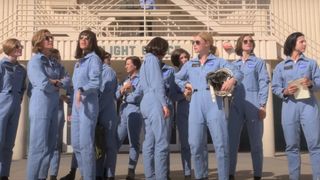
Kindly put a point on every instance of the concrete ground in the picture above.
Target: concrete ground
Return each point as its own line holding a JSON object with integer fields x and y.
{"x": 274, "y": 168}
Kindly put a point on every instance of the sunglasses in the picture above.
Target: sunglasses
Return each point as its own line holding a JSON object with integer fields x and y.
{"x": 18, "y": 46}
{"x": 197, "y": 42}
{"x": 83, "y": 37}
{"x": 247, "y": 41}
{"x": 48, "y": 38}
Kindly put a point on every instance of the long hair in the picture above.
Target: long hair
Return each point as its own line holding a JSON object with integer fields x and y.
{"x": 238, "y": 48}
{"x": 37, "y": 39}
{"x": 93, "y": 45}
{"x": 290, "y": 43}
{"x": 175, "y": 56}
{"x": 157, "y": 46}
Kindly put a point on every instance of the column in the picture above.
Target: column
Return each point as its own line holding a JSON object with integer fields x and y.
{"x": 20, "y": 148}
{"x": 268, "y": 136}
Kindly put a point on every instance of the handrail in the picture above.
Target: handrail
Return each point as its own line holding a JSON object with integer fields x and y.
{"x": 167, "y": 20}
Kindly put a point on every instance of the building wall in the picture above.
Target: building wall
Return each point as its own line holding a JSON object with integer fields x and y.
{"x": 302, "y": 15}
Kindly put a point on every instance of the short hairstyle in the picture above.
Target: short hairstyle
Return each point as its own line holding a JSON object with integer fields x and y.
{"x": 93, "y": 45}
{"x": 238, "y": 48}
{"x": 175, "y": 56}
{"x": 157, "y": 46}
{"x": 135, "y": 61}
{"x": 55, "y": 55}
{"x": 37, "y": 39}
{"x": 290, "y": 43}
{"x": 10, "y": 45}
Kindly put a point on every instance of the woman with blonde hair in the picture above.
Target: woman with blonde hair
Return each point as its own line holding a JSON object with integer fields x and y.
{"x": 43, "y": 106}
{"x": 12, "y": 87}
{"x": 206, "y": 111}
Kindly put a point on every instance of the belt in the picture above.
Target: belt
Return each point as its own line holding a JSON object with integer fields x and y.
{"x": 196, "y": 90}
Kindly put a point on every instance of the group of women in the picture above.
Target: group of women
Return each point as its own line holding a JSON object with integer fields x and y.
{"x": 148, "y": 97}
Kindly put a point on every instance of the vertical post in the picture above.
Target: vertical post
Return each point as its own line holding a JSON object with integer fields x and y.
{"x": 268, "y": 136}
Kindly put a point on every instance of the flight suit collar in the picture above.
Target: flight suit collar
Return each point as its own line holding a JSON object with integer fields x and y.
{"x": 301, "y": 57}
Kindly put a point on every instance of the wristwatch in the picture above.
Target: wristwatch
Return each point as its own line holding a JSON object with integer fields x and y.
{"x": 81, "y": 89}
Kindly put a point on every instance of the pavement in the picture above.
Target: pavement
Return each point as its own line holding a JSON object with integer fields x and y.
{"x": 273, "y": 167}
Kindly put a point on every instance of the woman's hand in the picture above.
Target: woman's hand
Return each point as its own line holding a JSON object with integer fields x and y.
{"x": 127, "y": 87}
{"x": 166, "y": 112}
{"x": 228, "y": 84}
{"x": 78, "y": 99}
{"x": 306, "y": 82}
{"x": 187, "y": 90}
{"x": 290, "y": 90}
{"x": 262, "y": 113}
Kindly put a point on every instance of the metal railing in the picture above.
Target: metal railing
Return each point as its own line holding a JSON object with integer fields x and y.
{"x": 117, "y": 20}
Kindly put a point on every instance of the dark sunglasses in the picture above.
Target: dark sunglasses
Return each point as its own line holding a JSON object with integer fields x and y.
{"x": 48, "y": 38}
{"x": 84, "y": 37}
{"x": 247, "y": 41}
{"x": 197, "y": 42}
{"x": 17, "y": 46}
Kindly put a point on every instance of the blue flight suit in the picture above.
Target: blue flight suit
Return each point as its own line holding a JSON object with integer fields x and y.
{"x": 296, "y": 113}
{"x": 182, "y": 115}
{"x": 156, "y": 131}
{"x": 12, "y": 87}
{"x": 64, "y": 76}
{"x": 131, "y": 119}
{"x": 248, "y": 96}
{"x": 108, "y": 119}
{"x": 206, "y": 112}
{"x": 43, "y": 115}
{"x": 87, "y": 75}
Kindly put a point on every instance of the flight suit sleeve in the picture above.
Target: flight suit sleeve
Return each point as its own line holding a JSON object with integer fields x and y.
{"x": 315, "y": 76}
{"x": 237, "y": 74}
{"x": 65, "y": 78}
{"x": 37, "y": 75}
{"x": 263, "y": 80}
{"x": 181, "y": 77}
{"x": 95, "y": 70}
{"x": 277, "y": 82}
{"x": 154, "y": 78}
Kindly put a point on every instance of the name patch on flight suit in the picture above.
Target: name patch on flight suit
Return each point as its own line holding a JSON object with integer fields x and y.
{"x": 302, "y": 66}
{"x": 251, "y": 65}
{"x": 288, "y": 67}
{"x": 195, "y": 64}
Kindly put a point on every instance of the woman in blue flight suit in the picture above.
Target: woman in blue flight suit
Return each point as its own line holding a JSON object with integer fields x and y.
{"x": 59, "y": 72}
{"x": 43, "y": 106}
{"x": 108, "y": 119}
{"x": 154, "y": 110}
{"x": 12, "y": 87}
{"x": 248, "y": 105}
{"x": 131, "y": 118}
{"x": 298, "y": 112}
{"x": 86, "y": 82}
{"x": 205, "y": 110}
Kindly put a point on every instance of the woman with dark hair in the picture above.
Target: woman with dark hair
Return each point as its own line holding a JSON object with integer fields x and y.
{"x": 298, "y": 111}
{"x": 65, "y": 82}
{"x": 12, "y": 87}
{"x": 154, "y": 110}
{"x": 43, "y": 106}
{"x": 131, "y": 118}
{"x": 86, "y": 81}
{"x": 206, "y": 110}
{"x": 107, "y": 120}
{"x": 248, "y": 105}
